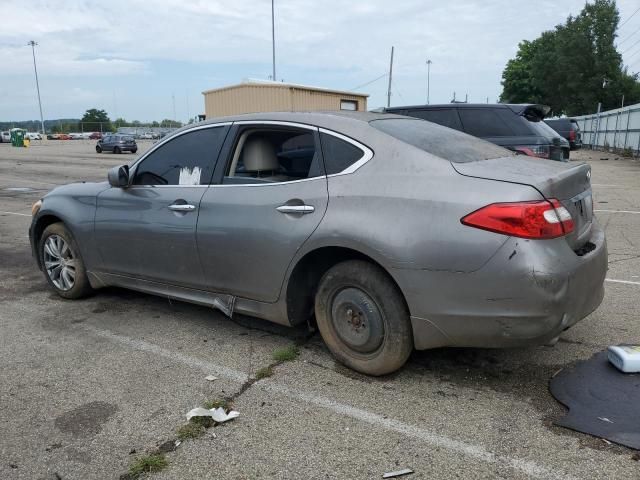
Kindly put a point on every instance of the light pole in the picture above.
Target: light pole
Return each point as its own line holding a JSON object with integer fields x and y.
{"x": 429, "y": 62}
{"x": 35, "y": 69}
{"x": 273, "y": 38}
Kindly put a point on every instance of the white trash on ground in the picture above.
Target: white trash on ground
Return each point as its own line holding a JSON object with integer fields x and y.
{"x": 397, "y": 473}
{"x": 210, "y": 378}
{"x": 218, "y": 414}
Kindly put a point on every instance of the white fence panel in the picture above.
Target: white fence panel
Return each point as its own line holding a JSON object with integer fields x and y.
{"x": 618, "y": 128}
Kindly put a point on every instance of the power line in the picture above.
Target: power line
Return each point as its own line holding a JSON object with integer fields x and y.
{"x": 625, "y": 51}
{"x": 628, "y": 37}
{"x": 370, "y": 82}
{"x": 629, "y": 18}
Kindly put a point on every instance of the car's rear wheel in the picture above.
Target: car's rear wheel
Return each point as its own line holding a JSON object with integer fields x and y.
{"x": 62, "y": 264}
{"x": 98, "y": 149}
{"x": 134, "y": 150}
{"x": 117, "y": 150}
{"x": 363, "y": 318}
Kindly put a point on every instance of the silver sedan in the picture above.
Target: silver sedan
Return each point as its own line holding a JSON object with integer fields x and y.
{"x": 387, "y": 233}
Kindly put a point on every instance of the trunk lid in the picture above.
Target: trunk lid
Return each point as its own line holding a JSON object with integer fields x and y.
{"x": 569, "y": 183}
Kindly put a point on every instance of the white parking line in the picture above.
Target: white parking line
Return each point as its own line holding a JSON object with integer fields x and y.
{"x": 618, "y": 211}
{"x": 437, "y": 440}
{"x": 16, "y": 213}
{"x": 626, "y": 282}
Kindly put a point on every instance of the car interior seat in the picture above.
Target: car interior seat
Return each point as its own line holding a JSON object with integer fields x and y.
{"x": 260, "y": 160}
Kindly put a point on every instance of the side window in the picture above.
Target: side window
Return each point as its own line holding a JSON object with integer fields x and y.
{"x": 273, "y": 156}
{"x": 188, "y": 159}
{"x": 338, "y": 154}
{"x": 484, "y": 122}
{"x": 445, "y": 117}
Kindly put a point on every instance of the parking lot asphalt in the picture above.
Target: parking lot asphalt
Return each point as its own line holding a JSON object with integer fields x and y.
{"x": 89, "y": 386}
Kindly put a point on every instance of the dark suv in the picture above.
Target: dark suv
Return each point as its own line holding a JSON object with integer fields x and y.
{"x": 516, "y": 127}
{"x": 116, "y": 144}
{"x": 569, "y": 129}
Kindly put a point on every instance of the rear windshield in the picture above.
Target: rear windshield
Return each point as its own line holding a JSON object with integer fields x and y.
{"x": 437, "y": 140}
{"x": 540, "y": 128}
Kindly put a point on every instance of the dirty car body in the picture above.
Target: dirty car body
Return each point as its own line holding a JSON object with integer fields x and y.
{"x": 401, "y": 199}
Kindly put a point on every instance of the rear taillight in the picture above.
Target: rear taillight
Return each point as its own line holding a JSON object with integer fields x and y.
{"x": 541, "y": 151}
{"x": 539, "y": 219}
{"x": 572, "y": 135}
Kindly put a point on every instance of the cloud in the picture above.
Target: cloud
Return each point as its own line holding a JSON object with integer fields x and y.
{"x": 333, "y": 43}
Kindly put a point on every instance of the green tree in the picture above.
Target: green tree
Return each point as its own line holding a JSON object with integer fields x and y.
{"x": 94, "y": 119}
{"x": 574, "y": 66}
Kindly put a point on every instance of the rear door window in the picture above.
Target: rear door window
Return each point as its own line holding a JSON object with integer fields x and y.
{"x": 274, "y": 155}
{"x": 338, "y": 154}
{"x": 484, "y": 122}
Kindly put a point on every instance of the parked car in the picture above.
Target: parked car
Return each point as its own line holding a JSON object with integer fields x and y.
{"x": 116, "y": 144}
{"x": 33, "y": 136}
{"x": 569, "y": 129}
{"x": 5, "y": 137}
{"x": 146, "y": 136}
{"x": 95, "y": 136}
{"x": 390, "y": 233}
{"x": 517, "y": 127}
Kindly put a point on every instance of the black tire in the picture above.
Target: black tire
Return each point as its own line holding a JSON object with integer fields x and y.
{"x": 117, "y": 150}
{"x": 81, "y": 286}
{"x": 362, "y": 296}
{"x": 98, "y": 149}
{"x": 134, "y": 150}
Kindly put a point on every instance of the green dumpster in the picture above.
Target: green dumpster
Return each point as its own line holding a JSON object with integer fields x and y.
{"x": 17, "y": 137}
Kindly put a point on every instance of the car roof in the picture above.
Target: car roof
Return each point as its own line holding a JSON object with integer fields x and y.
{"x": 517, "y": 108}
{"x": 336, "y": 120}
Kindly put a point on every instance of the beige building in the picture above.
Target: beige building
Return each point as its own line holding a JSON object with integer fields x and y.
{"x": 261, "y": 96}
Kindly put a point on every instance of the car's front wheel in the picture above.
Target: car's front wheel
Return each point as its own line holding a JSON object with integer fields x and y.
{"x": 98, "y": 149}
{"x": 62, "y": 264}
{"x": 363, "y": 318}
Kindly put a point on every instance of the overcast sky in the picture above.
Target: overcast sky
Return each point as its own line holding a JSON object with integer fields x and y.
{"x": 133, "y": 57}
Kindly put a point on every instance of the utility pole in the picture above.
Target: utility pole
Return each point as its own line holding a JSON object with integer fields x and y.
{"x": 273, "y": 38}
{"x": 429, "y": 62}
{"x": 390, "y": 76}
{"x": 173, "y": 98}
{"x": 35, "y": 69}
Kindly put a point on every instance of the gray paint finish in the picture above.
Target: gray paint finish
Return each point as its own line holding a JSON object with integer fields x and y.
{"x": 401, "y": 209}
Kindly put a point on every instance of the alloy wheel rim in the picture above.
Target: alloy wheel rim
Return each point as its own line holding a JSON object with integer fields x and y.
{"x": 59, "y": 262}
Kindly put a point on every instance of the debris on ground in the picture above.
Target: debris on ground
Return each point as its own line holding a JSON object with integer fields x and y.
{"x": 602, "y": 401}
{"x": 217, "y": 414}
{"x": 397, "y": 473}
{"x": 625, "y": 358}
{"x": 211, "y": 378}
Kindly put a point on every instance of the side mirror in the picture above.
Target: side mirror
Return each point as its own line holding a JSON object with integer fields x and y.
{"x": 119, "y": 176}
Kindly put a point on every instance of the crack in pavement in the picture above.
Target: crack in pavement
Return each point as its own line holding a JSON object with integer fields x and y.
{"x": 437, "y": 440}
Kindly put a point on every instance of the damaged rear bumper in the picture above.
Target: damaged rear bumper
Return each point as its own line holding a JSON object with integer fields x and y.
{"x": 528, "y": 293}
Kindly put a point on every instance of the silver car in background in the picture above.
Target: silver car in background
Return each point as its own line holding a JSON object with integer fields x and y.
{"x": 388, "y": 233}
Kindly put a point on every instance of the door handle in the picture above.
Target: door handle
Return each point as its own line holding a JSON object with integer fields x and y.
{"x": 304, "y": 209}
{"x": 181, "y": 207}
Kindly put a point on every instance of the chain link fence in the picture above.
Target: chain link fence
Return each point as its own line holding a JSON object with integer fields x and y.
{"x": 616, "y": 130}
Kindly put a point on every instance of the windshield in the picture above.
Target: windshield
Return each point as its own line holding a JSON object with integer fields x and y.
{"x": 441, "y": 141}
